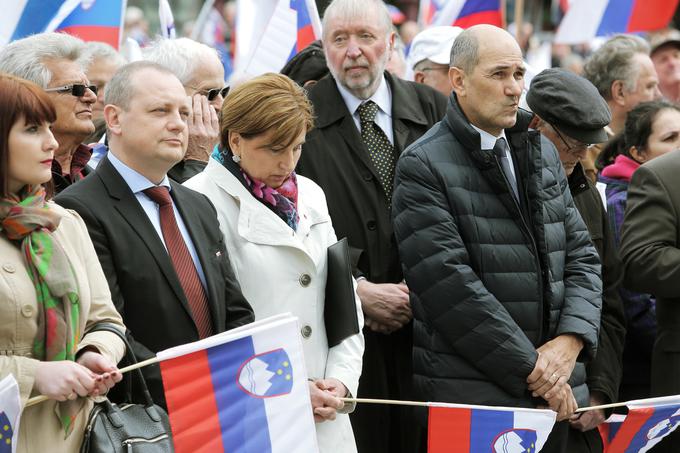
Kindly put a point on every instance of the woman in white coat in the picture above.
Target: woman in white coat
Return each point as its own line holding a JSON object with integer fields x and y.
{"x": 278, "y": 230}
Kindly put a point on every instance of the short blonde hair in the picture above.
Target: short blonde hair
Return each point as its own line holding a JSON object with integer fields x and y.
{"x": 268, "y": 102}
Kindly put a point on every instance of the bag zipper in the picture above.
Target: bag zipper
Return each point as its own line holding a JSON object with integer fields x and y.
{"x": 136, "y": 440}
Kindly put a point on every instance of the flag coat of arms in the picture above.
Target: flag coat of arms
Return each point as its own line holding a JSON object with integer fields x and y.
{"x": 455, "y": 428}
{"x": 243, "y": 391}
{"x": 648, "y": 421}
{"x": 10, "y": 412}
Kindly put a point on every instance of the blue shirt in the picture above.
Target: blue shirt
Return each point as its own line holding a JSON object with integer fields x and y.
{"x": 138, "y": 183}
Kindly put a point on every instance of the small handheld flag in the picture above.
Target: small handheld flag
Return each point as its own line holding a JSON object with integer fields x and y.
{"x": 10, "y": 412}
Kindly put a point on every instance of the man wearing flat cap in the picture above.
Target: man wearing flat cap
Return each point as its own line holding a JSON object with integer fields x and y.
{"x": 504, "y": 280}
{"x": 569, "y": 112}
{"x": 665, "y": 55}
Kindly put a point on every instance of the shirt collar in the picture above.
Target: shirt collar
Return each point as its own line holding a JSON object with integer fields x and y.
{"x": 382, "y": 97}
{"x": 135, "y": 180}
{"x": 488, "y": 140}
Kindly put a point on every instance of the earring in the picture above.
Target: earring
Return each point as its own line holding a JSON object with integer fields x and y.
{"x": 236, "y": 158}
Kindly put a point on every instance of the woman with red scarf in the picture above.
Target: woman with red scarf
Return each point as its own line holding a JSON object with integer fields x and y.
{"x": 52, "y": 288}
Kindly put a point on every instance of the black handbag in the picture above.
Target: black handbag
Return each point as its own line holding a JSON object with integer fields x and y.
{"x": 127, "y": 428}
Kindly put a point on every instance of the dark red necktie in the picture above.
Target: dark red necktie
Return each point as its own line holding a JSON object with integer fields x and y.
{"x": 181, "y": 260}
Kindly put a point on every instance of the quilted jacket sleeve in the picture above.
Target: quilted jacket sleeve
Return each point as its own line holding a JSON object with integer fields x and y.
{"x": 580, "y": 314}
{"x": 447, "y": 295}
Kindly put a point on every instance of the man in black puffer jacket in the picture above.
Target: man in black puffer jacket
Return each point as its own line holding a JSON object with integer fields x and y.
{"x": 505, "y": 282}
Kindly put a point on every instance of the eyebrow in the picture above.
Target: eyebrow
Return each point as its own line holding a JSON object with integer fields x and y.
{"x": 503, "y": 67}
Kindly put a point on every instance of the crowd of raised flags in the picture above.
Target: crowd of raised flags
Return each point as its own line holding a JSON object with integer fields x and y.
{"x": 246, "y": 390}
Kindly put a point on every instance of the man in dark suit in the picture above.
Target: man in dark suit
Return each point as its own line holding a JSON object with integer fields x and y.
{"x": 159, "y": 243}
{"x": 365, "y": 118}
{"x": 650, "y": 249}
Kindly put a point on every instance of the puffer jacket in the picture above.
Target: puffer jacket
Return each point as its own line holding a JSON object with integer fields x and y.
{"x": 491, "y": 279}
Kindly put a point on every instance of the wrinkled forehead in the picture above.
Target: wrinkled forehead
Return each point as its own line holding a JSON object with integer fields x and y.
{"x": 500, "y": 52}
{"x": 356, "y": 22}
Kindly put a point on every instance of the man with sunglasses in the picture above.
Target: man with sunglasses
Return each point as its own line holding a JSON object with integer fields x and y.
{"x": 569, "y": 112}
{"x": 199, "y": 69}
{"x": 55, "y": 62}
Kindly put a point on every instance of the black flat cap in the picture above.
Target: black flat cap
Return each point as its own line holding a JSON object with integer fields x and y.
{"x": 309, "y": 64}
{"x": 571, "y": 104}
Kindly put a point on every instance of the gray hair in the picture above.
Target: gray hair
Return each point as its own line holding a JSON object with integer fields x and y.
{"x": 465, "y": 51}
{"x": 179, "y": 56}
{"x": 120, "y": 90}
{"x": 99, "y": 50}
{"x": 614, "y": 61}
{"x": 352, "y": 9}
{"x": 26, "y": 57}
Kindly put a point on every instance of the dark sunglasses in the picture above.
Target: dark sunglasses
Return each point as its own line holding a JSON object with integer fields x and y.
{"x": 212, "y": 94}
{"x": 77, "y": 90}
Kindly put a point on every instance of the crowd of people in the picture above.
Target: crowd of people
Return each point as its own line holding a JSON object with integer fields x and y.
{"x": 511, "y": 243}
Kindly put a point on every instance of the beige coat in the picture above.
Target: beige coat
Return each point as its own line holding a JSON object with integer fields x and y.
{"x": 285, "y": 271}
{"x": 40, "y": 430}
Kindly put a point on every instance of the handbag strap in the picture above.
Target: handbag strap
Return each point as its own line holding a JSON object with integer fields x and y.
{"x": 129, "y": 356}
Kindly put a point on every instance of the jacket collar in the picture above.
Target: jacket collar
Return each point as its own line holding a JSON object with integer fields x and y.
{"x": 257, "y": 223}
{"x": 578, "y": 181}
{"x": 403, "y": 107}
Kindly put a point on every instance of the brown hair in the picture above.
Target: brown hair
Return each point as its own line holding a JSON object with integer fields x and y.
{"x": 19, "y": 98}
{"x": 268, "y": 102}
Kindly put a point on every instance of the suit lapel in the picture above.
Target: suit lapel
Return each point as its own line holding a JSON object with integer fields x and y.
{"x": 125, "y": 202}
{"x": 205, "y": 254}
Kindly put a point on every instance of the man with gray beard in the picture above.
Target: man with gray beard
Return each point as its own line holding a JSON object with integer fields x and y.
{"x": 365, "y": 119}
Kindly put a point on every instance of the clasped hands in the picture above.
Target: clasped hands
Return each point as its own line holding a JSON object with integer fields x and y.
{"x": 386, "y": 305}
{"x": 548, "y": 380}
{"x": 325, "y": 395}
{"x": 91, "y": 374}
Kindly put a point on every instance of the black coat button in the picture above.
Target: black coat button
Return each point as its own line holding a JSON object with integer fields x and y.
{"x": 368, "y": 177}
{"x": 371, "y": 225}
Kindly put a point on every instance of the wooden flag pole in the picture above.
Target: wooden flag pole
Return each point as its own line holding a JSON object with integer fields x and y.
{"x": 39, "y": 399}
{"x": 519, "y": 17}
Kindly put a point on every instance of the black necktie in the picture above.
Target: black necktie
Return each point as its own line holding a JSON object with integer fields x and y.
{"x": 500, "y": 149}
{"x": 379, "y": 147}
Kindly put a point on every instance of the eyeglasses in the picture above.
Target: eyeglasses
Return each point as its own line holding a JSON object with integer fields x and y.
{"x": 212, "y": 94}
{"x": 572, "y": 148}
{"x": 77, "y": 90}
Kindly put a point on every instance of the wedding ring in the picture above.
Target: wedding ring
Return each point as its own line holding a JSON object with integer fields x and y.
{"x": 553, "y": 378}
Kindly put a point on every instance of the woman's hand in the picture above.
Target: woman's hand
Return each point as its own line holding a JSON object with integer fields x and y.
{"x": 64, "y": 380}
{"x": 107, "y": 374}
{"x": 324, "y": 403}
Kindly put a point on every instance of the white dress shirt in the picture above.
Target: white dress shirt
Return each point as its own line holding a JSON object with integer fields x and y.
{"x": 138, "y": 183}
{"x": 383, "y": 99}
{"x": 489, "y": 141}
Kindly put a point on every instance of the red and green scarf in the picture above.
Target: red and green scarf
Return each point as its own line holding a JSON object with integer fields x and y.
{"x": 26, "y": 219}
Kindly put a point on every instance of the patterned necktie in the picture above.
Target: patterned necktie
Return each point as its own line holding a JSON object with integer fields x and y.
{"x": 182, "y": 261}
{"x": 379, "y": 147}
{"x": 500, "y": 149}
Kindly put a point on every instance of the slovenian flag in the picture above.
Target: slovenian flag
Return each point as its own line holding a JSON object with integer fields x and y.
{"x": 648, "y": 421}
{"x": 10, "y": 413}
{"x": 242, "y": 391}
{"x": 466, "y": 13}
{"x": 455, "y": 428}
{"x": 89, "y": 20}
{"x": 586, "y": 19}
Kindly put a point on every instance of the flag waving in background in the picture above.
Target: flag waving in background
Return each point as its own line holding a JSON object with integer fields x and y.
{"x": 455, "y": 428}
{"x": 10, "y": 411}
{"x": 648, "y": 421}
{"x": 242, "y": 391}
{"x": 167, "y": 21}
{"x": 466, "y": 13}
{"x": 271, "y": 32}
{"x": 90, "y": 20}
{"x": 586, "y": 19}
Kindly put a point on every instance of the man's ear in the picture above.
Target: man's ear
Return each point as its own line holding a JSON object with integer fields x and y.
{"x": 112, "y": 115}
{"x": 457, "y": 79}
{"x": 390, "y": 41}
{"x": 536, "y": 123}
{"x": 618, "y": 95}
{"x": 419, "y": 77}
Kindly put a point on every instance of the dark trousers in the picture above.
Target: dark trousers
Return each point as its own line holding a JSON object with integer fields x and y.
{"x": 387, "y": 374}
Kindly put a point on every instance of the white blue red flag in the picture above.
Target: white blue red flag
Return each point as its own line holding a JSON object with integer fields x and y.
{"x": 166, "y": 19}
{"x": 271, "y": 32}
{"x": 586, "y": 19}
{"x": 460, "y": 13}
{"x": 456, "y": 428}
{"x": 242, "y": 391}
{"x": 90, "y": 20}
{"x": 648, "y": 421}
{"x": 10, "y": 412}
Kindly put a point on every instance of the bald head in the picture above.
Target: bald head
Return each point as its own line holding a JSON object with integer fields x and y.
{"x": 469, "y": 46}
